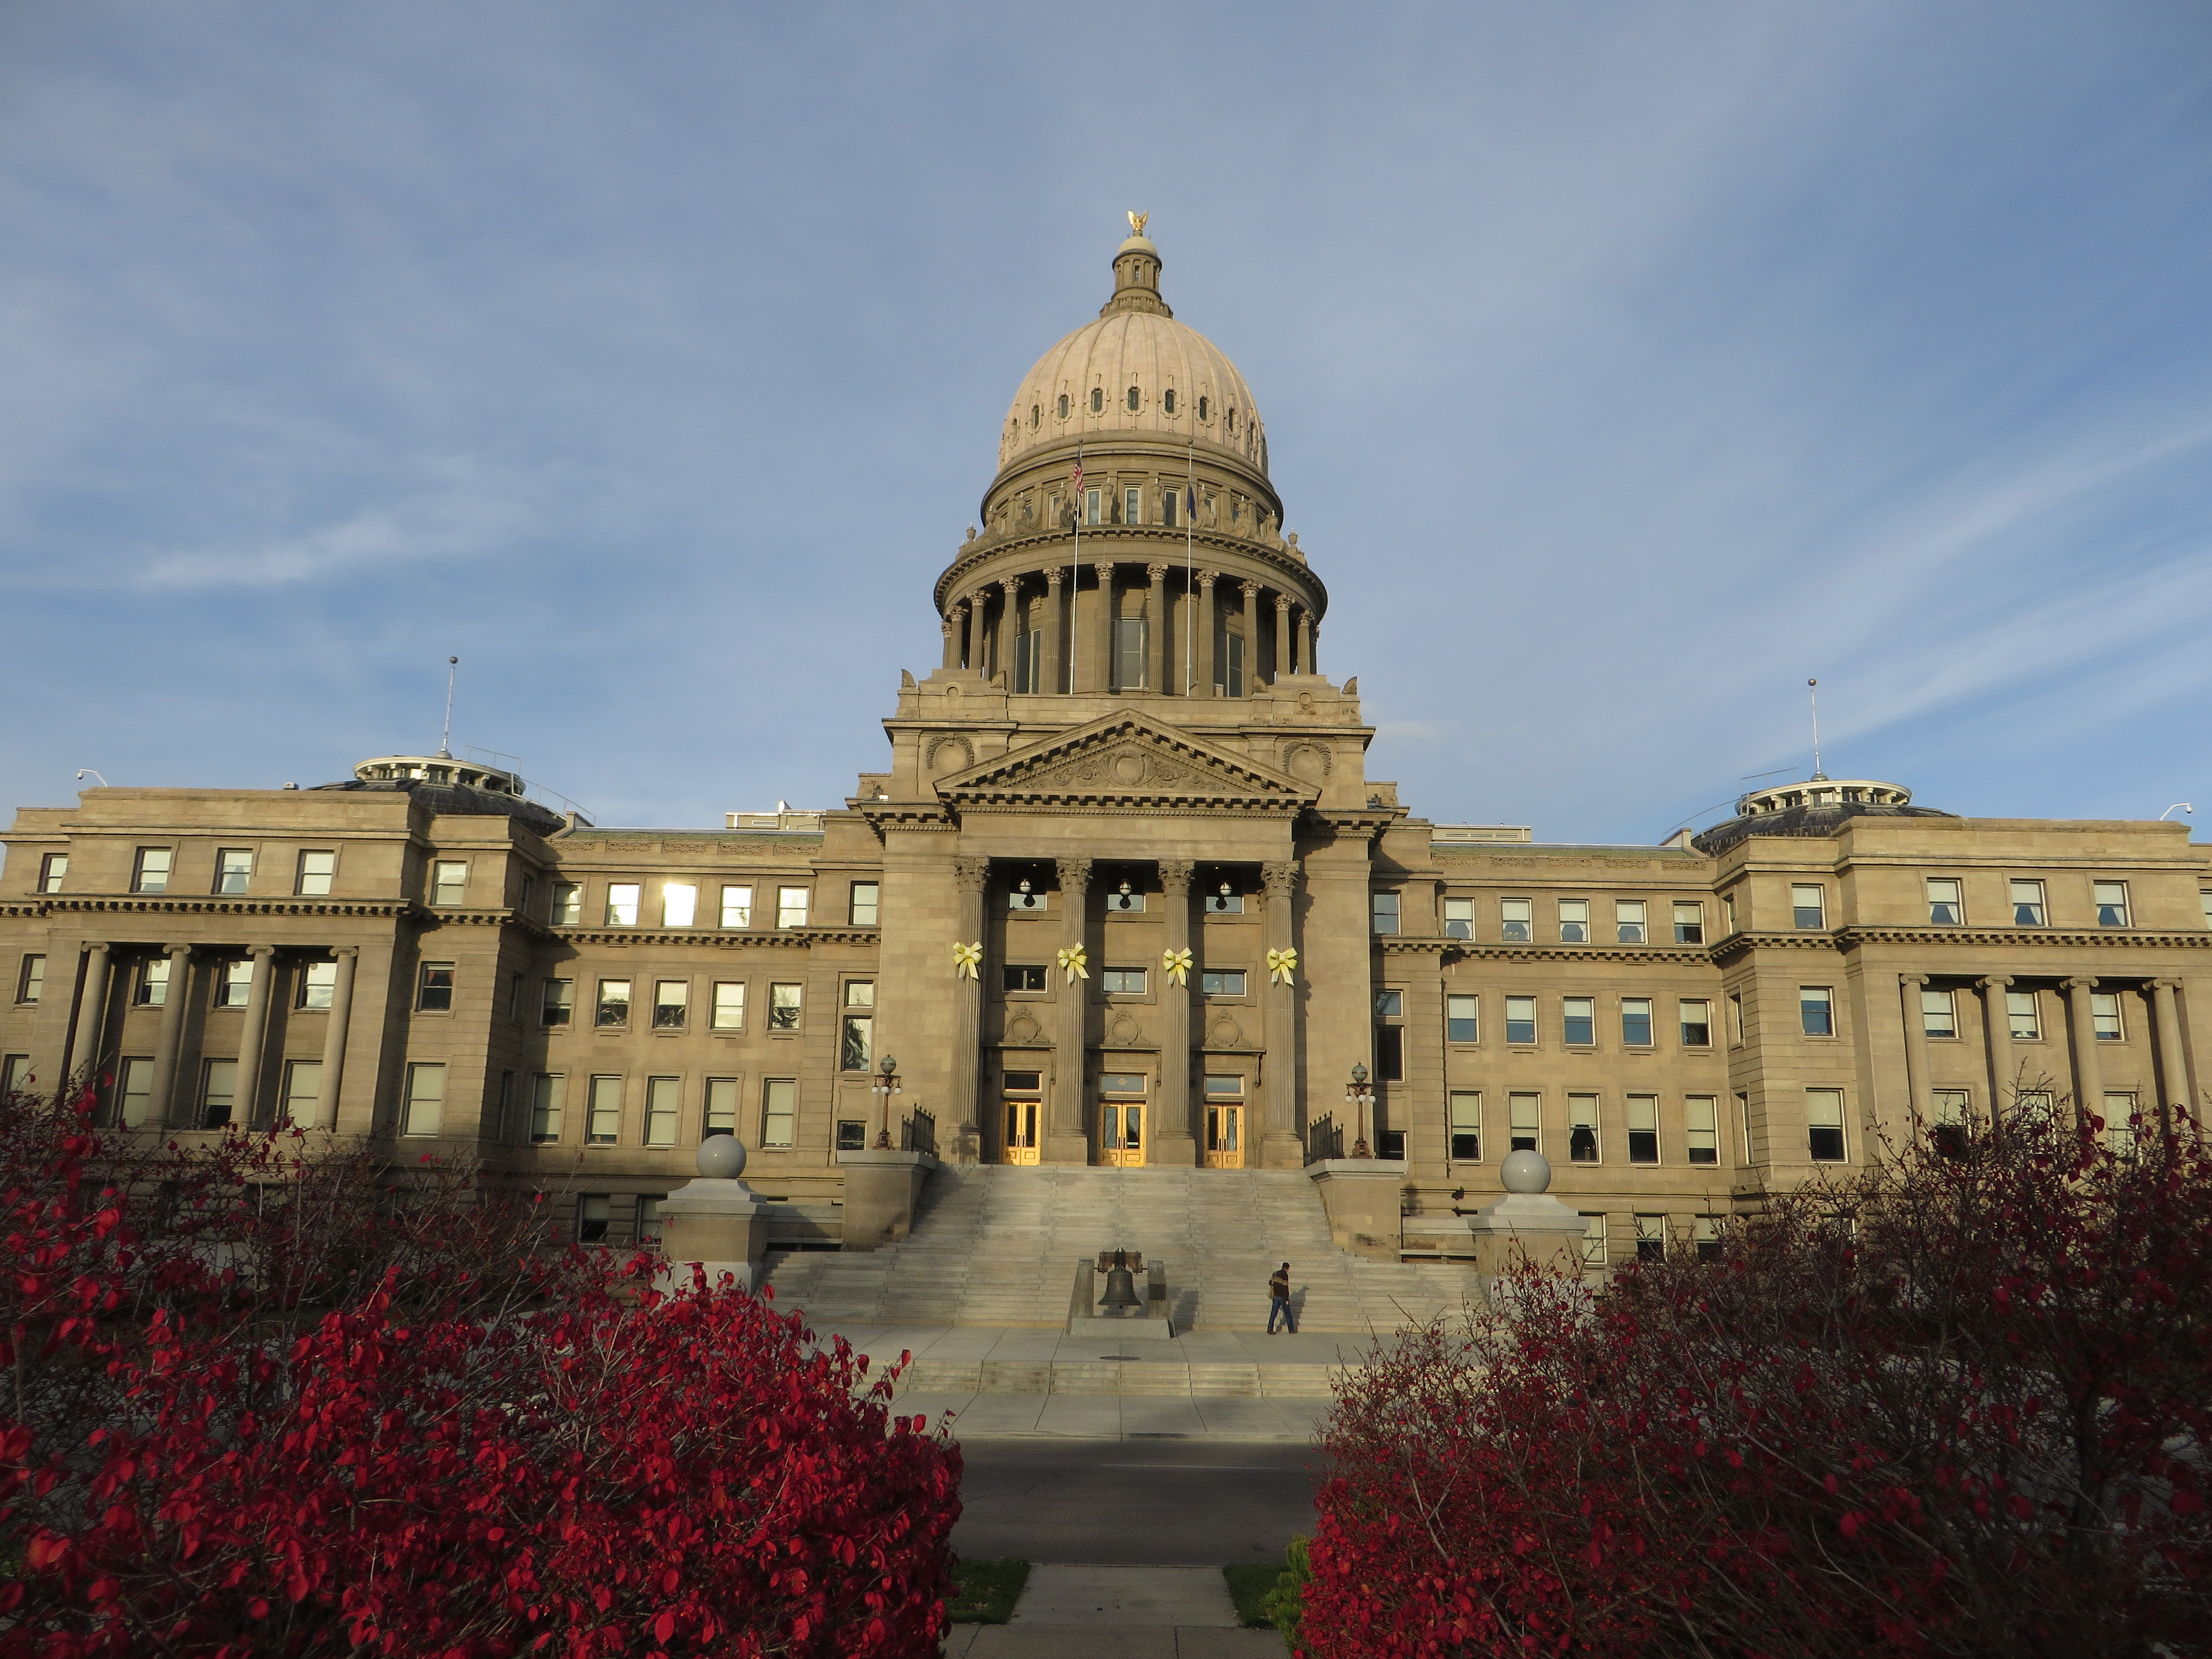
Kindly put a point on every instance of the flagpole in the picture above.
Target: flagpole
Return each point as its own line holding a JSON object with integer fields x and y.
{"x": 1075, "y": 569}
{"x": 1189, "y": 536}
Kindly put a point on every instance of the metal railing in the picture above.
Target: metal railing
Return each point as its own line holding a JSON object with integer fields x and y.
{"x": 1324, "y": 1139}
{"x": 918, "y": 1132}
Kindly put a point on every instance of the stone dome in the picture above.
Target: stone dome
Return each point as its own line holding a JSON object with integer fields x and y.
{"x": 1182, "y": 385}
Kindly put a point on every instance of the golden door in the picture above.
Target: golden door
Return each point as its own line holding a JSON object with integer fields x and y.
{"x": 1225, "y": 1137}
{"x": 1121, "y": 1133}
{"x": 1021, "y": 1145}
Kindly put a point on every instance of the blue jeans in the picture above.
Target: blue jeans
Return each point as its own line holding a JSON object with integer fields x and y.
{"x": 1280, "y": 1307}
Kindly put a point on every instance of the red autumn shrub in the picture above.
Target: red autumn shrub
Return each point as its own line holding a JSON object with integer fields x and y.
{"x": 203, "y": 1459}
{"x": 1958, "y": 1407}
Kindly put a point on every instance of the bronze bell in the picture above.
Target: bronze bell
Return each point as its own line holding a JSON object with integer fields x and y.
{"x": 1120, "y": 1286}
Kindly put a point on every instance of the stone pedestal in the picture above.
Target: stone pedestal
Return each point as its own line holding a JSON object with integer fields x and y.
{"x": 716, "y": 1221}
{"x": 881, "y": 1191}
{"x": 1150, "y": 1322}
{"x": 1527, "y": 1223}
{"x": 1365, "y": 1198}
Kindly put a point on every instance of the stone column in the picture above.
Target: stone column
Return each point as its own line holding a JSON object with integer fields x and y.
{"x": 971, "y": 877}
{"x": 1209, "y": 628}
{"x": 1306, "y": 640}
{"x": 246, "y": 1108}
{"x": 1055, "y": 675}
{"x": 1066, "y": 1140}
{"x": 2088, "y": 1065}
{"x": 1283, "y": 1147}
{"x": 1996, "y": 1020}
{"x": 2174, "y": 1094}
{"x": 1157, "y": 656}
{"x": 91, "y": 1013}
{"x": 1105, "y": 675}
{"x": 950, "y": 629}
{"x": 334, "y": 1039}
{"x": 1313, "y": 647}
{"x": 1284, "y": 665}
{"x": 1178, "y": 1134}
{"x": 1917, "y": 1097}
{"x": 167, "y": 1043}
{"x": 1251, "y": 593}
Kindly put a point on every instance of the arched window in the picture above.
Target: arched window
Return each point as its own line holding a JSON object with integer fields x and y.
{"x": 1133, "y": 399}
{"x": 1167, "y": 400}
{"x": 1232, "y": 418}
{"x": 1098, "y": 400}
{"x": 1201, "y": 407}
{"x": 1035, "y": 414}
{"x": 1063, "y": 406}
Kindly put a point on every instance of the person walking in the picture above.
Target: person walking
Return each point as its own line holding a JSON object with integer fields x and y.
{"x": 1279, "y": 1301}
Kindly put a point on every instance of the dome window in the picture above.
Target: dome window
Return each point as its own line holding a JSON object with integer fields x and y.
{"x": 1135, "y": 399}
{"x": 1098, "y": 400}
{"x": 1201, "y": 407}
{"x": 1035, "y": 414}
{"x": 1232, "y": 418}
{"x": 1063, "y": 406}
{"x": 1167, "y": 400}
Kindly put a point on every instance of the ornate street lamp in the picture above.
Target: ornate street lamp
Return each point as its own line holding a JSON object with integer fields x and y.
{"x": 1359, "y": 1095}
{"x": 885, "y": 1086}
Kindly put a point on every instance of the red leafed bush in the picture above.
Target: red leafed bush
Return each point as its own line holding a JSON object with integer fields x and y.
{"x": 508, "y": 1458}
{"x": 1959, "y": 1407}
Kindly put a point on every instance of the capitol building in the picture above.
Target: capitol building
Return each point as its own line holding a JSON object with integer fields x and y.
{"x": 1117, "y": 889}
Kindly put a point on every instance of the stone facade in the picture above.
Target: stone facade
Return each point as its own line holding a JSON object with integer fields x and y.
{"x": 1127, "y": 799}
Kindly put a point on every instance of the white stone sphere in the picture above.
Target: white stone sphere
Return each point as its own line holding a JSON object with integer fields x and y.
{"x": 721, "y": 1157}
{"x": 1525, "y": 1171}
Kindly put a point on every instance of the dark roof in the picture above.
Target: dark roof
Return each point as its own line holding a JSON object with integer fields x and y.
{"x": 461, "y": 800}
{"x": 1811, "y": 822}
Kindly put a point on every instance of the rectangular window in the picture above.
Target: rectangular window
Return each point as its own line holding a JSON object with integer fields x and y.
{"x": 1123, "y": 981}
{"x": 315, "y": 873}
{"x": 2204, "y": 900}
{"x": 1383, "y": 908}
{"x": 1122, "y": 1082}
{"x": 1217, "y": 1087}
{"x": 506, "y": 1124}
{"x": 791, "y": 906}
{"x": 1593, "y": 1246}
{"x": 1389, "y": 1005}
{"x": 1020, "y": 897}
{"x": 779, "y": 1111}
{"x": 152, "y": 989}
{"x": 1628, "y": 921}
{"x": 1946, "y": 906}
{"x": 1582, "y": 1129}
{"x": 568, "y": 907}
{"x": 1514, "y": 919}
{"x": 31, "y": 979}
{"x": 621, "y": 903}
{"x": 672, "y": 1004}
{"x": 1128, "y": 903}
{"x": 1650, "y": 1238}
{"x": 1128, "y": 653}
{"x": 1527, "y": 1112}
{"x": 53, "y": 869}
{"x": 2119, "y": 1120}
{"x": 2027, "y": 907}
{"x": 434, "y": 989}
{"x": 729, "y": 1014}
{"x": 1390, "y": 1054}
{"x": 556, "y": 1002}
{"x": 613, "y": 1007}
{"x": 1169, "y": 498}
{"x": 851, "y": 1135}
{"x": 648, "y": 1217}
{"x": 218, "y": 1092}
{"x": 2105, "y": 1016}
{"x": 1022, "y": 976}
{"x": 234, "y": 869}
{"x": 1094, "y": 506}
{"x": 1574, "y": 921}
{"x": 1578, "y": 1021}
{"x": 1459, "y": 918}
{"x": 866, "y": 896}
{"x": 318, "y": 983}
{"x": 1224, "y": 900}
{"x": 1462, "y": 1019}
{"x": 721, "y": 1116}
{"x": 151, "y": 874}
{"x": 518, "y": 997}
{"x": 1743, "y": 1117}
{"x": 527, "y": 903}
{"x": 1808, "y": 907}
{"x": 426, "y": 1100}
{"x": 1701, "y": 1116}
{"x": 134, "y": 1092}
{"x": 663, "y": 1099}
{"x": 14, "y": 1073}
{"x": 603, "y": 1112}
{"x": 1644, "y": 1128}
{"x": 1816, "y": 1011}
{"x": 303, "y": 1090}
{"x": 1132, "y": 505}
{"x": 2112, "y": 901}
{"x": 856, "y": 1043}
{"x": 1705, "y": 1236}
{"x": 591, "y": 1212}
{"x": 1950, "y": 1109}
{"x": 1823, "y": 1124}
{"x": 1736, "y": 1018}
{"x": 1636, "y": 1022}
{"x": 1222, "y": 981}
{"x": 2024, "y": 1014}
{"x": 737, "y": 906}
{"x": 449, "y": 883}
{"x": 679, "y": 904}
{"x": 548, "y": 1092}
{"x": 1939, "y": 1014}
{"x": 783, "y": 1006}
{"x": 1689, "y": 923}
{"x": 1232, "y": 665}
{"x": 1697, "y": 1017}
{"x": 234, "y": 984}
{"x": 1520, "y": 1019}
{"x": 1466, "y": 1125}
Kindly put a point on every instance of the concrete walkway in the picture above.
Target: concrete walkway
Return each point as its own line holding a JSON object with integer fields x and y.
{"x": 1119, "y": 1613}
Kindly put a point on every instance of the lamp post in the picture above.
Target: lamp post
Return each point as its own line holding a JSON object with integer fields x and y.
{"x": 885, "y": 1086}
{"x": 1360, "y": 1094}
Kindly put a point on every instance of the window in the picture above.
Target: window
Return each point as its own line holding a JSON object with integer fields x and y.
{"x": 672, "y": 1004}
{"x": 603, "y": 1112}
{"x": 592, "y": 1209}
{"x": 1697, "y": 1017}
{"x": 1129, "y": 642}
{"x": 1133, "y": 500}
{"x": 2105, "y": 1016}
{"x": 434, "y": 989}
{"x": 2112, "y": 901}
{"x": 1728, "y": 912}
{"x": 505, "y": 1131}
{"x": 1644, "y": 1128}
{"x": 721, "y": 1114}
{"x": 614, "y": 1003}
{"x": 1689, "y": 923}
{"x": 1384, "y": 909}
{"x": 1221, "y": 982}
{"x": 1816, "y": 1011}
{"x": 1205, "y": 405}
{"x": 1701, "y": 1116}
{"x": 1628, "y": 921}
{"x": 1594, "y": 1248}
{"x": 1736, "y": 1018}
{"x": 1824, "y": 1123}
{"x": 1063, "y": 406}
{"x": 152, "y": 987}
{"x": 316, "y": 869}
{"x": 234, "y": 985}
{"x": 663, "y": 1103}
{"x": 1581, "y": 1128}
{"x": 318, "y": 983}
{"x": 518, "y": 995}
{"x": 1094, "y": 500}
{"x": 1028, "y": 660}
{"x": 1232, "y": 665}
{"x": 303, "y": 1091}
{"x": 851, "y": 1135}
{"x": 783, "y": 1006}
{"x": 1949, "y": 1110}
{"x": 54, "y": 867}
{"x": 865, "y": 902}
{"x": 151, "y": 874}
{"x": 1945, "y": 908}
{"x": 556, "y": 1002}
{"x": 1459, "y": 918}
{"x": 1807, "y": 907}
{"x": 1574, "y": 921}
{"x": 134, "y": 1093}
{"x": 729, "y": 1014}
{"x": 1636, "y": 1022}
{"x": 14, "y": 1073}
{"x": 1528, "y": 1117}
{"x": 1466, "y": 1124}
{"x": 1223, "y": 902}
{"x": 1389, "y": 1005}
{"x": 1514, "y": 920}
{"x": 1122, "y": 982}
{"x": 1122, "y": 1082}
{"x": 1130, "y": 901}
{"x": 737, "y": 906}
{"x": 218, "y": 1090}
{"x": 1743, "y": 1117}
{"x": 527, "y": 903}
{"x": 1578, "y": 1021}
{"x": 234, "y": 869}
{"x": 547, "y": 1092}
{"x": 2027, "y": 909}
{"x": 2024, "y": 1014}
{"x": 791, "y": 907}
{"x": 2204, "y": 900}
{"x": 2119, "y": 1120}
{"x": 1390, "y": 1054}
{"x": 31, "y": 979}
{"x": 648, "y": 1217}
{"x": 1462, "y": 1019}
{"x": 449, "y": 883}
{"x": 1098, "y": 400}
{"x": 1651, "y": 1238}
{"x": 1939, "y": 1014}
{"x": 1705, "y": 1236}
{"x": 568, "y": 908}
{"x": 1520, "y": 1019}
{"x": 426, "y": 1100}
{"x": 621, "y": 903}
{"x": 679, "y": 904}
{"x": 1216, "y": 1087}
{"x": 1021, "y": 976}
{"x": 779, "y": 1111}
{"x": 856, "y": 1043}
{"x": 1390, "y": 1145}
{"x": 1021, "y": 896}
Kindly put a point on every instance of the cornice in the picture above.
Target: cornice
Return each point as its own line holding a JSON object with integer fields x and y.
{"x": 1737, "y": 943}
{"x": 146, "y": 904}
{"x": 735, "y": 939}
{"x": 2011, "y": 938}
{"x": 1099, "y": 804}
{"x": 965, "y": 563}
{"x": 1673, "y": 956}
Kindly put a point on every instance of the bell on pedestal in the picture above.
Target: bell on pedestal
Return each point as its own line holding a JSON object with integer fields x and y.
{"x": 1120, "y": 1286}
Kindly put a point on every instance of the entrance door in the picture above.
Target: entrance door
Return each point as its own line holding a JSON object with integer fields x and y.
{"x": 1022, "y": 1096}
{"x": 1122, "y": 1121}
{"x": 1225, "y": 1137}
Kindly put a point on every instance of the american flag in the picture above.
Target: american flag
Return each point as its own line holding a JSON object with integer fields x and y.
{"x": 1075, "y": 482}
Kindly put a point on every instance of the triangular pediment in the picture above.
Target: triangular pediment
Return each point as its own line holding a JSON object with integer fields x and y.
{"x": 1126, "y": 762}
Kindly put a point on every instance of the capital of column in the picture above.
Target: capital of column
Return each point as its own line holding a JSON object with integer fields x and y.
{"x": 2163, "y": 984}
{"x": 253, "y": 950}
{"x": 1276, "y": 878}
{"x": 1013, "y": 585}
{"x": 1051, "y": 579}
{"x": 1282, "y": 601}
{"x": 1912, "y": 979}
{"x": 98, "y": 947}
{"x": 1206, "y": 579}
{"x": 1174, "y": 876}
{"x": 186, "y": 950}
{"x": 1251, "y": 590}
{"x": 1105, "y": 569}
{"x": 2077, "y": 984}
{"x": 344, "y": 950}
{"x": 969, "y": 875}
{"x": 1995, "y": 981}
{"x": 1157, "y": 572}
{"x": 1074, "y": 874}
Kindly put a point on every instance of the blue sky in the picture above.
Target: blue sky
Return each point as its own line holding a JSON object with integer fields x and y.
{"x": 1624, "y": 365}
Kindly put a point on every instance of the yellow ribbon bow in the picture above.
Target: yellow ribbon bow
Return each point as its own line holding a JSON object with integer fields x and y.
{"x": 1075, "y": 960}
{"x": 1178, "y": 962}
{"x": 966, "y": 959}
{"x": 1281, "y": 964}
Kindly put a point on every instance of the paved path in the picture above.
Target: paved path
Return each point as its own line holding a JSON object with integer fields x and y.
{"x": 1105, "y": 1642}
{"x": 1119, "y": 1613}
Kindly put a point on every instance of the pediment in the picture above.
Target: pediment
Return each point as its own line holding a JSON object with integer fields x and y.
{"x": 1127, "y": 761}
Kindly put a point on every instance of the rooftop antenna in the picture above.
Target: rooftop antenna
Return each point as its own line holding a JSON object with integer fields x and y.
{"x": 446, "y": 743}
{"x": 2181, "y": 805}
{"x": 1813, "y": 691}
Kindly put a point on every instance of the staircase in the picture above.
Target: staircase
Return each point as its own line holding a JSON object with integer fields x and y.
{"x": 998, "y": 1245}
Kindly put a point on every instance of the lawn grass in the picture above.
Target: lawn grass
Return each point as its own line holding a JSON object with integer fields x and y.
{"x": 984, "y": 1592}
{"x": 1249, "y": 1582}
